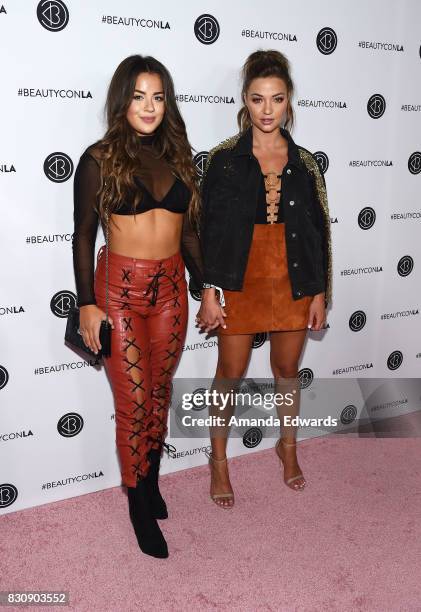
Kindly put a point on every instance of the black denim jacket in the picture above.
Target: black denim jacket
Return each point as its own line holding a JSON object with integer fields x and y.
{"x": 229, "y": 199}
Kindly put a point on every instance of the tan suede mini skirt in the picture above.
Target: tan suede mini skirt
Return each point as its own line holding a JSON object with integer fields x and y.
{"x": 265, "y": 303}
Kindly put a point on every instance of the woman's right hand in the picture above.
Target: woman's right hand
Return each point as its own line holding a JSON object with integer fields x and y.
{"x": 210, "y": 314}
{"x": 90, "y": 317}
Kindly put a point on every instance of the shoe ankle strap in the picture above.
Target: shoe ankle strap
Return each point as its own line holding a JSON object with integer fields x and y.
{"x": 209, "y": 454}
{"x": 287, "y": 443}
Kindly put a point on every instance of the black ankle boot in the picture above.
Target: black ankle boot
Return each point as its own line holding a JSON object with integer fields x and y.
{"x": 149, "y": 536}
{"x": 158, "y": 505}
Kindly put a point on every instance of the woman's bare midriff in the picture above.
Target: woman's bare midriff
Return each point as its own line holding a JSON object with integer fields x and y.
{"x": 154, "y": 234}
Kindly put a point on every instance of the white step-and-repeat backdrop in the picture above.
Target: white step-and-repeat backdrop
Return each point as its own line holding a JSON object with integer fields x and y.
{"x": 357, "y": 69}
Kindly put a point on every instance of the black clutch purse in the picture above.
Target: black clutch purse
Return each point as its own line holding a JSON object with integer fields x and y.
{"x": 72, "y": 334}
{"x": 74, "y": 337}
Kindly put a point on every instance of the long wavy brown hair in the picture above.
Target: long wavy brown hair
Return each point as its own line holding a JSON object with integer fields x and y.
{"x": 262, "y": 64}
{"x": 119, "y": 149}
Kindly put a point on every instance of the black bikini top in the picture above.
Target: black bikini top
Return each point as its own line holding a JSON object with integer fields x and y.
{"x": 175, "y": 200}
{"x": 159, "y": 186}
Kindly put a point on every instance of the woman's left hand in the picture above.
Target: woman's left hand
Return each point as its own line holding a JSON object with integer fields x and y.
{"x": 211, "y": 314}
{"x": 317, "y": 313}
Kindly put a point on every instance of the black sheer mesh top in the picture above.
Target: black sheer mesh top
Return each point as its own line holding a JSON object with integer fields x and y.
{"x": 160, "y": 188}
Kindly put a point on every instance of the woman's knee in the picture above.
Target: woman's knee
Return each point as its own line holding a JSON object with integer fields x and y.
{"x": 285, "y": 370}
{"x": 229, "y": 370}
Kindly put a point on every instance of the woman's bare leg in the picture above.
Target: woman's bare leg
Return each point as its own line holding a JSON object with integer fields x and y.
{"x": 233, "y": 357}
{"x": 285, "y": 352}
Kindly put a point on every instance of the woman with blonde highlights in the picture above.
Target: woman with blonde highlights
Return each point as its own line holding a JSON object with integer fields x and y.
{"x": 139, "y": 181}
{"x": 265, "y": 233}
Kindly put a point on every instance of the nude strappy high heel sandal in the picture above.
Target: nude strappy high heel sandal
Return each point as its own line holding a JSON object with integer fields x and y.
{"x": 289, "y": 481}
{"x": 219, "y": 496}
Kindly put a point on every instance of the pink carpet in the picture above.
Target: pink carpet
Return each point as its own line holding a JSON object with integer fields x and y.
{"x": 351, "y": 541}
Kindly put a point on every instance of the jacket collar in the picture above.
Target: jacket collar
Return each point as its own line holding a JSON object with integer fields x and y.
{"x": 244, "y": 146}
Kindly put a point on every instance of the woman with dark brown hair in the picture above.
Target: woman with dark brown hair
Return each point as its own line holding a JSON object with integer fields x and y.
{"x": 265, "y": 233}
{"x": 139, "y": 182}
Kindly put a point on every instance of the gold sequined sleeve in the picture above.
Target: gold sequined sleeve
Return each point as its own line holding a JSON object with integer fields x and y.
{"x": 321, "y": 194}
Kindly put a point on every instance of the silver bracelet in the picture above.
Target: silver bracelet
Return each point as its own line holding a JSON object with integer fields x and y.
{"x": 221, "y": 293}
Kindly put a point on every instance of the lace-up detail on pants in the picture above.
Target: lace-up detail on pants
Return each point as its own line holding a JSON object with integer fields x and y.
{"x": 154, "y": 284}
{"x": 148, "y": 305}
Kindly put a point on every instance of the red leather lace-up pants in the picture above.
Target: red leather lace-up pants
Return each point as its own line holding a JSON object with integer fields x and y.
{"x": 149, "y": 308}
